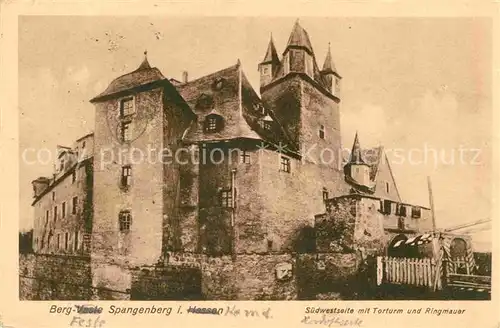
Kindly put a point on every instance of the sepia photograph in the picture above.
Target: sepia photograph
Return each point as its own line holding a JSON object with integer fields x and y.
{"x": 255, "y": 158}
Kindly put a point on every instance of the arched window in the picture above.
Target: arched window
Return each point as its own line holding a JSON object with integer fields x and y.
{"x": 213, "y": 123}
{"x": 125, "y": 221}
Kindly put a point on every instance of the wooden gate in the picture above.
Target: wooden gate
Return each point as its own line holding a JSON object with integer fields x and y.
{"x": 407, "y": 271}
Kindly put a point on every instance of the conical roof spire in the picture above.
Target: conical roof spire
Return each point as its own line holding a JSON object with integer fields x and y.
{"x": 271, "y": 53}
{"x": 145, "y": 63}
{"x": 329, "y": 66}
{"x": 299, "y": 38}
{"x": 356, "y": 156}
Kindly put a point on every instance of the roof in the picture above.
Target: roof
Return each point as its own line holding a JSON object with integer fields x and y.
{"x": 230, "y": 93}
{"x": 328, "y": 65}
{"x": 271, "y": 53}
{"x": 299, "y": 38}
{"x": 356, "y": 154}
{"x": 57, "y": 181}
{"x": 143, "y": 75}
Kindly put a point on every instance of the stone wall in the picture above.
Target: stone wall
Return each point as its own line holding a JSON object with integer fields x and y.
{"x": 190, "y": 276}
{"x": 243, "y": 277}
{"x": 49, "y": 277}
{"x": 165, "y": 283}
{"x": 329, "y": 276}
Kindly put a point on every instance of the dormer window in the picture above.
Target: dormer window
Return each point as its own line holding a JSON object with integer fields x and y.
{"x": 218, "y": 84}
{"x": 126, "y": 107}
{"x": 213, "y": 123}
{"x": 267, "y": 123}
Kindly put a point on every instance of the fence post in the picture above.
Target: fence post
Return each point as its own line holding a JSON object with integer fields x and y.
{"x": 379, "y": 270}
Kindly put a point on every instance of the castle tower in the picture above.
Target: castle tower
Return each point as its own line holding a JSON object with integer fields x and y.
{"x": 357, "y": 169}
{"x": 298, "y": 55}
{"x": 330, "y": 74}
{"x": 130, "y": 188}
{"x": 269, "y": 65}
{"x": 299, "y": 97}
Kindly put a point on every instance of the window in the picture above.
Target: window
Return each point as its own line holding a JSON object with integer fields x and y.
{"x": 63, "y": 209}
{"x": 226, "y": 198}
{"x": 58, "y": 241}
{"x": 126, "y": 176}
{"x": 73, "y": 177}
{"x": 401, "y": 210}
{"x": 46, "y": 216}
{"x": 53, "y": 195}
{"x": 286, "y": 63}
{"x": 211, "y": 124}
{"x": 285, "y": 164}
{"x": 55, "y": 213}
{"x": 269, "y": 245}
{"x": 126, "y": 131}
{"x": 385, "y": 206}
{"x": 245, "y": 157}
{"x": 66, "y": 240}
{"x": 325, "y": 194}
{"x": 83, "y": 145}
{"x": 125, "y": 220}
{"x": 322, "y": 131}
{"x": 75, "y": 204}
{"x": 218, "y": 84}
{"x": 416, "y": 212}
{"x": 76, "y": 240}
{"x": 126, "y": 107}
{"x": 61, "y": 165}
{"x": 267, "y": 125}
{"x": 387, "y": 187}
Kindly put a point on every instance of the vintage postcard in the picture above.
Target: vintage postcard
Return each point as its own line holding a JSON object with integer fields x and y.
{"x": 328, "y": 165}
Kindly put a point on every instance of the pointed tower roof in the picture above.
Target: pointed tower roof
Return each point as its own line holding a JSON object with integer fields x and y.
{"x": 143, "y": 75}
{"x": 328, "y": 65}
{"x": 299, "y": 38}
{"x": 271, "y": 53}
{"x": 145, "y": 63}
{"x": 356, "y": 156}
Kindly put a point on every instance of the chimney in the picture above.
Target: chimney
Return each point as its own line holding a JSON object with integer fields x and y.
{"x": 184, "y": 77}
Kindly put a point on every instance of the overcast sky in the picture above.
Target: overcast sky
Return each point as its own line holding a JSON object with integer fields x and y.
{"x": 407, "y": 84}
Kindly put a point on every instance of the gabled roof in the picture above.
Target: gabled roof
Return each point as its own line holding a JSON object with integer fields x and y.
{"x": 143, "y": 75}
{"x": 299, "y": 38}
{"x": 236, "y": 101}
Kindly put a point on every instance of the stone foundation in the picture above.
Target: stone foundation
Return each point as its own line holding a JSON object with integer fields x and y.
{"x": 192, "y": 276}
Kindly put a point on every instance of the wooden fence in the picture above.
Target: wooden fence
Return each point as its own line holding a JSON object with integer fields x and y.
{"x": 469, "y": 282}
{"x": 406, "y": 271}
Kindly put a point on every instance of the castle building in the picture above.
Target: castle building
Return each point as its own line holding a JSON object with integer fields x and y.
{"x": 227, "y": 172}
{"x": 63, "y": 202}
